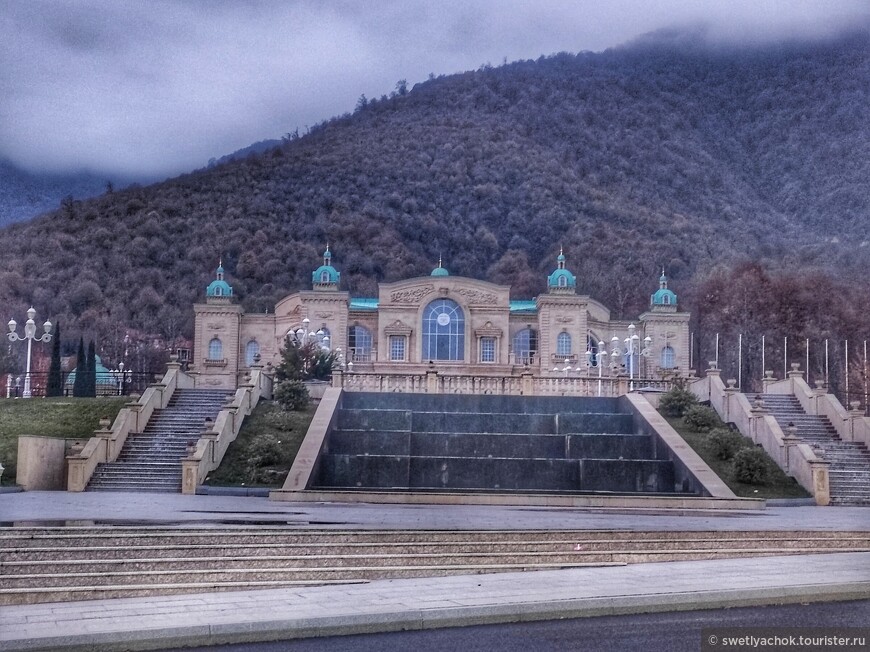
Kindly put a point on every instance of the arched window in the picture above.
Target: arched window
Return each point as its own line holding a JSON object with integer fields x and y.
{"x": 324, "y": 276}
{"x": 218, "y": 291}
{"x": 359, "y": 339}
{"x": 592, "y": 347}
{"x": 525, "y": 346}
{"x": 215, "y": 349}
{"x": 251, "y": 350}
{"x": 563, "y": 344}
{"x": 443, "y": 331}
{"x": 563, "y": 282}
{"x": 668, "y": 358}
{"x": 666, "y": 300}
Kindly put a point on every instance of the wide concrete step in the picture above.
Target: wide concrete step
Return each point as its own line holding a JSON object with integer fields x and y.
{"x": 41, "y": 564}
{"x": 207, "y": 552}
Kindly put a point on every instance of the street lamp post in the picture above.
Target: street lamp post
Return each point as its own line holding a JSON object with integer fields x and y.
{"x": 631, "y": 349}
{"x": 600, "y": 357}
{"x": 121, "y": 377}
{"x": 29, "y": 335}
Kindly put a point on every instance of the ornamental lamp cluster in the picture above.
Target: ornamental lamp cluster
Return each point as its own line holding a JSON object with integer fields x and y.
{"x": 31, "y": 336}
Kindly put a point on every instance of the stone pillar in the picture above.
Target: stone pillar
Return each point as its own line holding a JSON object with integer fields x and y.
{"x": 756, "y": 413}
{"x": 189, "y": 470}
{"x": 173, "y": 362}
{"x": 431, "y": 381}
{"x": 821, "y": 483}
{"x": 855, "y": 414}
{"x": 768, "y": 380}
{"x": 730, "y": 392}
{"x": 527, "y": 383}
{"x": 622, "y": 385}
{"x": 337, "y": 378}
{"x": 789, "y": 440}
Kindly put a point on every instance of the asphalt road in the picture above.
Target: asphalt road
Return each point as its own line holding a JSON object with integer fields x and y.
{"x": 666, "y": 632}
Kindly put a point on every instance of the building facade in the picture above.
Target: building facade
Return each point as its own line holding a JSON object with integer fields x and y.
{"x": 453, "y": 324}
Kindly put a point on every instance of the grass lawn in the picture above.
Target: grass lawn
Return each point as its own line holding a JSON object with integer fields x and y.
{"x": 779, "y": 485}
{"x": 263, "y": 452}
{"x": 67, "y": 418}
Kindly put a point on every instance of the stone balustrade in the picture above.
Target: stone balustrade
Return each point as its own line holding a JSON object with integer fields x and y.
{"x": 753, "y": 421}
{"x": 526, "y": 384}
{"x": 210, "y": 448}
{"x": 106, "y": 444}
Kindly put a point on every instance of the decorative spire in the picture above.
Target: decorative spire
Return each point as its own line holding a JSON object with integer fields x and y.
{"x": 440, "y": 271}
{"x": 561, "y": 281}
{"x": 325, "y": 277}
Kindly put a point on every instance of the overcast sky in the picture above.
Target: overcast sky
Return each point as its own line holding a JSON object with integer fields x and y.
{"x": 159, "y": 87}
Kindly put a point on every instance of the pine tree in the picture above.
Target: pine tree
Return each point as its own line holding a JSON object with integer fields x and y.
{"x": 91, "y": 388}
{"x": 81, "y": 381}
{"x": 55, "y": 378}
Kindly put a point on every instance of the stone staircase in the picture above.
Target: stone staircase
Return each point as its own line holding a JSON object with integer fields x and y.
{"x": 151, "y": 460}
{"x": 40, "y": 564}
{"x": 849, "y": 469}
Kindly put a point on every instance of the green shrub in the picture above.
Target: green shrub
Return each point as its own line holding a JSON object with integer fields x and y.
{"x": 725, "y": 442}
{"x": 750, "y": 466}
{"x": 701, "y": 418}
{"x": 291, "y": 395}
{"x": 676, "y": 401}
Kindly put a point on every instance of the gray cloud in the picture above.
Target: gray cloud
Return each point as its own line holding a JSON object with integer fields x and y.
{"x": 157, "y": 88}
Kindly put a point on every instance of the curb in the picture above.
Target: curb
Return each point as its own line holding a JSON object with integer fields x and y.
{"x": 413, "y": 620}
{"x": 257, "y": 492}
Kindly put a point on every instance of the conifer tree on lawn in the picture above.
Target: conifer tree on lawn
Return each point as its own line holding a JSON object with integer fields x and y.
{"x": 91, "y": 388}
{"x": 55, "y": 378}
{"x": 81, "y": 382}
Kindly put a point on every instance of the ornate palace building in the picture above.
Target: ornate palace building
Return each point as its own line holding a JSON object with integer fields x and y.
{"x": 453, "y": 324}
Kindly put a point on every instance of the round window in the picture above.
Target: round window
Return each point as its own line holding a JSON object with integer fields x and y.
{"x": 443, "y": 319}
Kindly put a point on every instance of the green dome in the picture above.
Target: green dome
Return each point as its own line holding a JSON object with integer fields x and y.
{"x": 561, "y": 278}
{"x": 440, "y": 271}
{"x": 219, "y": 287}
{"x": 326, "y": 274}
{"x": 663, "y": 296}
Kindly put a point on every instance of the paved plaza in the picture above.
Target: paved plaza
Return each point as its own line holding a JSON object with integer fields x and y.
{"x": 390, "y": 605}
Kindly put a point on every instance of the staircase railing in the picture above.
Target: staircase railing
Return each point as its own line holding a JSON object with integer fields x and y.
{"x": 851, "y": 425}
{"x": 106, "y": 444}
{"x": 209, "y": 450}
{"x": 754, "y": 421}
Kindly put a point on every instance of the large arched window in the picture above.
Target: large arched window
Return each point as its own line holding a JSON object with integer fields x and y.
{"x": 251, "y": 350}
{"x": 668, "y": 358}
{"x": 359, "y": 339}
{"x": 592, "y": 347}
{"x": 215, "y": 349}
{"x": 563, "y": 344}
{"x": 525, "y": 346}
{"x": 443, "y": 331}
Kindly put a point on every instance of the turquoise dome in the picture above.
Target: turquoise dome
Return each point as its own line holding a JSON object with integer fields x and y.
{"x": 663, "y": 296}
{"x": 219, "y": 287}
{"x": 440, "y": 271}
{"x": 553, "y": 280}
{"x": 326, "y": 274}
{"x": 561, "y": 277}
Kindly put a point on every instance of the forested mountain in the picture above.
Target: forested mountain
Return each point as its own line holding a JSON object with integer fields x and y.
{"x": 26, "y": 194}
{"x": 654, "y": 154}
